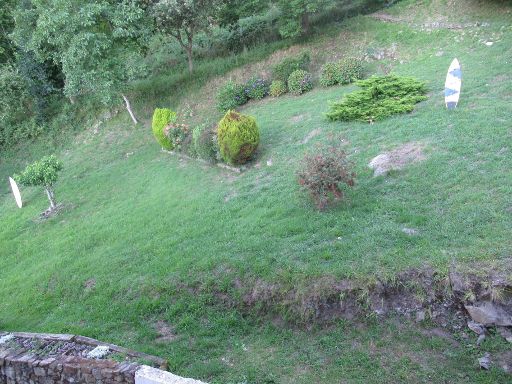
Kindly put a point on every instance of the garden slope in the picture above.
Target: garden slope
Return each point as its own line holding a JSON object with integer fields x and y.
{"x": 146, "y": 235}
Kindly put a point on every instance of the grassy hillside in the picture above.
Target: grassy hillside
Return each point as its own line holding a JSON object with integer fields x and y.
{"x": 150, "y": 244}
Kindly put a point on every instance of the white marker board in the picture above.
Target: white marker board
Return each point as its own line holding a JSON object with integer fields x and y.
{"x": 452, "y": 85}
{"x": 16, "y": 192}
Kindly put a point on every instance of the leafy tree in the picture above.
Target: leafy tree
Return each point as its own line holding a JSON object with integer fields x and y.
{"x": 6, "y": 27}
{"x": 42, "y": 173}
{"x": 182, "y": 19}
{"x": 97, "y": 43}
{"x": 295, "y": 15}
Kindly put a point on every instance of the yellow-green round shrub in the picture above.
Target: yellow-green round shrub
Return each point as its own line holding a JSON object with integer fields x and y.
{"x": 162, "y": 117}
{"x": 238, "y": 137}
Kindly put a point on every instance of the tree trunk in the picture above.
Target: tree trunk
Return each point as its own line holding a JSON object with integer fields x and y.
{"x": 129, "y": 109}
{"x": 305, "y": 23}
{"x": 189, "y": 54}
{"x": 51, "y": 197}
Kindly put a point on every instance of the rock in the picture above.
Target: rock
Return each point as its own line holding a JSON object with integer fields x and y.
{"x": 457, "y": 282}
{"x": 410, "y": 231}
{"x": 489, "y": 43}
{"x": 420, "y": 316}
{"x": 476, "y": 327}
{"x": 488, "y": 313}
{"x": 480, "y": 339}
{"x": 485, "y": 361}
{"x": 396, "y": 159}
{"x": 6, "y": 338}
{"x": 99, "y": 352}
{"x": 505, "y": 333}
{"x": 269, "y": 162}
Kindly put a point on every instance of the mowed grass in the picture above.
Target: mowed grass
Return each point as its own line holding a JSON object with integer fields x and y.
{"x": 147, "y": 237}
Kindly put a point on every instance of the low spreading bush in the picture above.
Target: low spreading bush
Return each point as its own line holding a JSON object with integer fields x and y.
{"x": 342, "y": 72}
{"x": 324, "y": 173}
{"x": 230, "y": 96}
{"x": 256, "y": 88}
{"x": 162, "y": 117}
{"x": 238, "y": 137}
{"x": 205, "y": 142}
{"x": 277, "y": 88}
{"x": 284, "y": 69}
{"x": 299, "y": 82}
{"x": 378, "y": 98}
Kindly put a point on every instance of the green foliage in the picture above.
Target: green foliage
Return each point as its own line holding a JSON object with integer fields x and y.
{"x": 323, "y": 173}
{"x": 299, "y": 82}
{"x": 284, "y": 69}
{"x": 277, "y": 88}
{"x": 162, "y": 117}
{"x": 295, "y": 15}
{"x": 379, "y": 98}
{"x": 256, "y": 88}
{"x": 96, "y": 43}
{"x": 179, "y": 136}
{"x": 330, "y": 74}
{"x": 43, "y": 173}
{"x": 238, "y": 137}
{"x": 205, "y": 142}
{"x": 230, "y": 96}
{"x": 344, "y": 71}
{"x": 350, "y": 70}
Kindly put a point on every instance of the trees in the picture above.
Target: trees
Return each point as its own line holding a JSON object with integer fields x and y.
{"x": 97, "y": 43}
{"x": 295, "y": 15}
{"x": 42, "y": 173}
{"x": 182, "y": 19}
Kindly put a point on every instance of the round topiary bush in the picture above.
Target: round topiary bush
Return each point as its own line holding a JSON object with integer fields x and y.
{"x": 299, "y": 82}
{"x": 350, "y": 69}
{"x": 162, "y": 117}
{"x": 277, "y": 88}
{"x": 238, "y": 137}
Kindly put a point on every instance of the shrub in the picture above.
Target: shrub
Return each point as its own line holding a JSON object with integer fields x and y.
{"x": 205, "y": 143}
{"x": 43, "y": 173}
{"x": 330, "y": 74}
{"x": 162, "y": 117}
{"x": 342, "y": 72}
{"x": 299, "y": 82}
{"x": 277, "y": 88}
{"x": 323, "y": 174}
{"x": 379, "y": 98}
{"x": 230, "y": 96}
{"x": 179, "y": 136}
{"x": 284, "y": 69}
{"x": 256, "y": 88}
{"x": 350, "y": 70}
{"x": 238, "y": 137}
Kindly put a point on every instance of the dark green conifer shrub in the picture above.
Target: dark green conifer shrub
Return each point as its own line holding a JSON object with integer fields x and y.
{"x": 284, "y": 69}
{"x": 162, "y": 117}
{"x": 238, "y": 137}
{"x": 378, "y": 98}
{"x": 299, "y": 82}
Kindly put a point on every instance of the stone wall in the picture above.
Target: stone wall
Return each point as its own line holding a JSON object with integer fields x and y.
{"x": 29, "y": 358}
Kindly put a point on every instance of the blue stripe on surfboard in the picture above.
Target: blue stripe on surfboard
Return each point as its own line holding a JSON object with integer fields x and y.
{"x": 451, "y": 104}
{"x": 449, "y": 92}
{"x": 456, "y": 73}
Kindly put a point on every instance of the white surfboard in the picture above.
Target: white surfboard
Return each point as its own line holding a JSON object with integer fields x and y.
{"x": 16, "y": 192}
{"x": 452, "y": 85}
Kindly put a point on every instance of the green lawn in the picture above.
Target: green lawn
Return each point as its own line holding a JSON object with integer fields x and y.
{"x": 153, "y": 237}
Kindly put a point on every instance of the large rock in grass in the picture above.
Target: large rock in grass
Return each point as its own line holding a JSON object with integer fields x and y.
{"x": 396, "y": 159}
{"x": 489, "y": 313}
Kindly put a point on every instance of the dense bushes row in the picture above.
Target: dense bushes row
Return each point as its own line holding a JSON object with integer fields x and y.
{"x": 233, "y": 140}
